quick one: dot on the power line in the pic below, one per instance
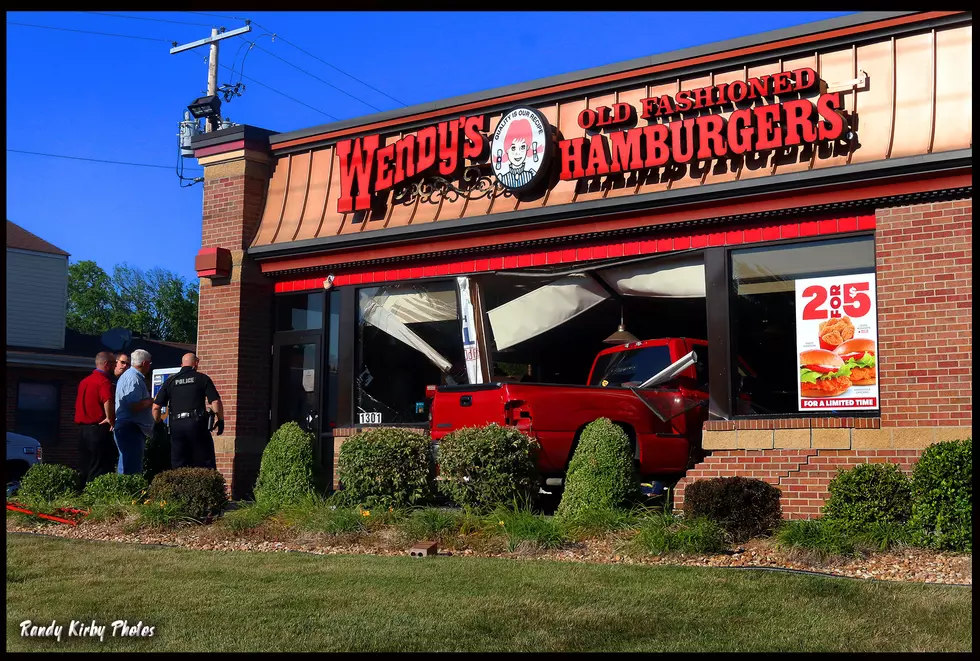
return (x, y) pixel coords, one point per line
(335, 68)
(261, 84)
(201, 13)
(146, 18)
(168, 41)
(94, 160)
(265, 50)
(331, 66)
(104, 34)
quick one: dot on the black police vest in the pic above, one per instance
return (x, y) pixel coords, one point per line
(187, 392)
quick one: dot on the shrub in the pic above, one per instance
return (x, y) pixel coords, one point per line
(825, 538)
(942, 489)
(156, 455)
(43, 483)
(113, 487)
(744, 507)
(484, 467)
(661, 534)
(286, 471)
(200, 492)
(601, 474)
(386, 467)
(868, 494)
(523, 528)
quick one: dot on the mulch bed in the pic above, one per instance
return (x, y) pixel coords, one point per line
(910, 565)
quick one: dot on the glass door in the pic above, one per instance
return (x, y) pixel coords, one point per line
(296, 364)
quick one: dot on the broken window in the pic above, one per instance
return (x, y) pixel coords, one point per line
(548, 327)
(408, 337)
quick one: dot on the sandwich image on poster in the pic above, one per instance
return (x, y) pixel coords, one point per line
(837, 340)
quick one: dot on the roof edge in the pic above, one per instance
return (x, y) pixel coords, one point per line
(805, 29)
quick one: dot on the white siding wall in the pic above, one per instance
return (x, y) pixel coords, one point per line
(37, 291)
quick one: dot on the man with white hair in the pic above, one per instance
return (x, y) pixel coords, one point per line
(134, 421)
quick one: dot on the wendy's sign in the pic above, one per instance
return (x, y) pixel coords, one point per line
(522, 145)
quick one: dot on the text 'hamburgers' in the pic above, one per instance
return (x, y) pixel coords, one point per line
(859, 356)
(823, 374)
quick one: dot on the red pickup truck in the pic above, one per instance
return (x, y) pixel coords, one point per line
(662, 416)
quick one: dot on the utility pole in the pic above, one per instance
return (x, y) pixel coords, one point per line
(217, 34)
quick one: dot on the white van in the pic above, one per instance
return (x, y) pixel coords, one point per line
(22, 453)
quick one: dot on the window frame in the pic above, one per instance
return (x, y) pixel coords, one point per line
(351, 373)
(55, 414)
(720, 300)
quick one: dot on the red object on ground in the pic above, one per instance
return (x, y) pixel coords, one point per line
(68, 511)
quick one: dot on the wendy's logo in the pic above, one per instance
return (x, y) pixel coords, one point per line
(521, 149)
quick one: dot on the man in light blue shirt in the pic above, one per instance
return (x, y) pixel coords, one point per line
(134, 419)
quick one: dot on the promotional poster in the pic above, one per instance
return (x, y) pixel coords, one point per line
(837, 343)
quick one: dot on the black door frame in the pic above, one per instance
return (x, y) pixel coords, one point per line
(316, 337)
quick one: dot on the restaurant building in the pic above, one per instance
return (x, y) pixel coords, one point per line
(777, 195)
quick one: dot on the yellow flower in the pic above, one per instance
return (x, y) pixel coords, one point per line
(501, 523)
(365, 513)
(146, 502)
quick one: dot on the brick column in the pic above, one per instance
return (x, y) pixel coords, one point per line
(235, 309)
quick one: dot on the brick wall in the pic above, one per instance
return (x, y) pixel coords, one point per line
(924, 264)
(63, 450)
(801, 475)
(925, 300)
(235, 318)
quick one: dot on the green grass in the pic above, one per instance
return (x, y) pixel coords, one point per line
(663, 534)
(208, 601)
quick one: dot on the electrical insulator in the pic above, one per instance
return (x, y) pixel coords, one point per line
(188, 129)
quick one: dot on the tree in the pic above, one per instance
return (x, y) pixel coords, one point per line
(156, 304)
(91, 298)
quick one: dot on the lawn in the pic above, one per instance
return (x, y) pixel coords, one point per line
(228, 601)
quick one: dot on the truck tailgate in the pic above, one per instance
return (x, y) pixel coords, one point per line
(454, 407)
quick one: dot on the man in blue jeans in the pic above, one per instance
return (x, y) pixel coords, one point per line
(134, 418)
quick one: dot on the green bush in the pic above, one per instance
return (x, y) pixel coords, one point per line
(286, 471)
(200, 492)
(386, 467)
(826, 538)
(113, 487)
(942, 489)
(484, 467)
(43, 483)
(661, 534)
(601, 474)
(744, 507)
(868, 494)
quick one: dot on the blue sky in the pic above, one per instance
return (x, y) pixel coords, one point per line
(120, 99)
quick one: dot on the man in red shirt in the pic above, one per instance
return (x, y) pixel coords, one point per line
(96, 416)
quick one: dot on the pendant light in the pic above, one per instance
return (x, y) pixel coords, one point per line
(621, 336)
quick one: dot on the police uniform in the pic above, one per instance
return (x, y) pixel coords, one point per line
(190, 439)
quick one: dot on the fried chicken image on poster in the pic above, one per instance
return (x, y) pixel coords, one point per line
(837, 339)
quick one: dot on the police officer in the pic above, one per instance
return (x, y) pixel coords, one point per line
(191, 400)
